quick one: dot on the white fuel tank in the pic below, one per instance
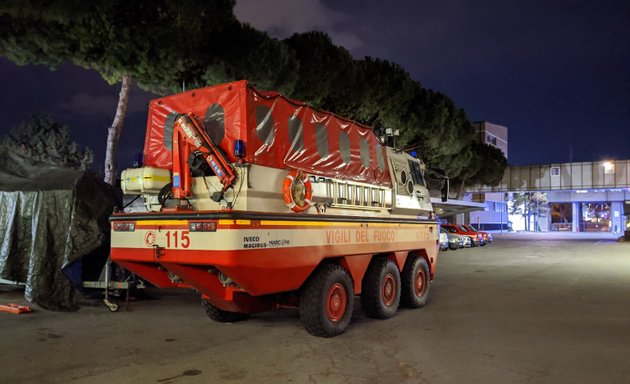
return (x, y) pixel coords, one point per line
(144, 180)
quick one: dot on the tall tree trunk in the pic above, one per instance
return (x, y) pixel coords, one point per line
(529, 217)
(113, 134)
(526, 215)
(461, 189)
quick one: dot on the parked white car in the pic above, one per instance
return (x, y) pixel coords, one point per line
(455, 241)
(444, 245)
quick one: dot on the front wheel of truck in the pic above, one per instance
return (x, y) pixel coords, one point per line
(222, 316)
(326, 301)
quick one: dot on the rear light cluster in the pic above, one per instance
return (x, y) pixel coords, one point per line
(124, 227)
(205, 226)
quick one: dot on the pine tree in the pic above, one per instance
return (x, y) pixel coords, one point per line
(43, 139)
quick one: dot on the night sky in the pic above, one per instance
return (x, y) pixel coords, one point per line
(556, 73)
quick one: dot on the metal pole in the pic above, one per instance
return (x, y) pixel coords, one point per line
(505, 209)
(537, 213)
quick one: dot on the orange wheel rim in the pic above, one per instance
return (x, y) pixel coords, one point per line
(336, 302)
(420, 282)
(388, 292)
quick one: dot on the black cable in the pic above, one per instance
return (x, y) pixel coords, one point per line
(165, 193)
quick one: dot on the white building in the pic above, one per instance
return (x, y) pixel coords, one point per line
(494, 216)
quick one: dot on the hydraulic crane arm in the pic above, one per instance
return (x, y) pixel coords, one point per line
(191, 144)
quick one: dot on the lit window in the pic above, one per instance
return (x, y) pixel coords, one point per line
(609, 167)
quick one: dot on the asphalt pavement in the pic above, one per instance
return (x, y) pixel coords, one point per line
(529, 308)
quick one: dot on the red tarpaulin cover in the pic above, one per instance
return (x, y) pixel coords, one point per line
(277, 132)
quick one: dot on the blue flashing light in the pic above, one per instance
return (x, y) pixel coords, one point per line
(239, 148)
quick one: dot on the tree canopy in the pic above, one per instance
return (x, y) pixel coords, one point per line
(383, 94)
(161, 43)
(165, 44)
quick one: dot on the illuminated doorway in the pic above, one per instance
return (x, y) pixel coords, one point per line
(561, 216)
(595, 217)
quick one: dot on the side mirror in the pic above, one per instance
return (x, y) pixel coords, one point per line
(444, 190)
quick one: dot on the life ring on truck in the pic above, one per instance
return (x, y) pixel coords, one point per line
(297, 191)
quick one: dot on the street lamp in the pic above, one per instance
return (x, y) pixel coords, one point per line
(609, 167)
(506, 198)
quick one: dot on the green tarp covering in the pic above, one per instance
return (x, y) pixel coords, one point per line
(54, 229)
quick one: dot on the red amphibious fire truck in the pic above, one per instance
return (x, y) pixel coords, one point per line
(258, 202)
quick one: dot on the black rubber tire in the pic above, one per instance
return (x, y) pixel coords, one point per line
(372, 289)
(455, 248)
(314, 301)
(222, 316)
(410, 298)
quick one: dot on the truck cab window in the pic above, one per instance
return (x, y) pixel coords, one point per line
(418, 179)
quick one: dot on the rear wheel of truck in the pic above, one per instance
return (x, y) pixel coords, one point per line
(222, 316)
(326, 301)
(415, 282)
(380, 295)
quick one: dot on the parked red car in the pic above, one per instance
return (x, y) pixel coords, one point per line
(487, 238)
(476, 238)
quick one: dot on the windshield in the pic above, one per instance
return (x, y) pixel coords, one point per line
(450, 229)
(416, 172)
